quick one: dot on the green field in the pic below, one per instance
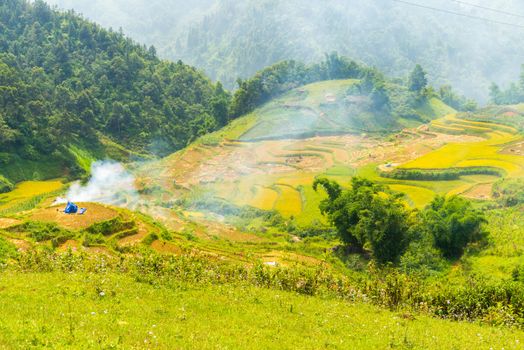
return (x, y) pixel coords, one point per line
(94, 311)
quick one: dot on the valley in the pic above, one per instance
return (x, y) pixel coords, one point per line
(325, 204)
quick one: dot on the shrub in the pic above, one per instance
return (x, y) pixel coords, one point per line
(453, 223)
(7, 250)
(366, 215)
(439, 174)
(509, 192)
(41, 231)
(109, 227)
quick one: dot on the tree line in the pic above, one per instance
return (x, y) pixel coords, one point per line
(369, 217)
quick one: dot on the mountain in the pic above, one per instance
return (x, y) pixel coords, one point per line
(231, 39)
(72, 91)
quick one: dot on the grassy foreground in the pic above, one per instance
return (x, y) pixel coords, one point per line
(106, 311)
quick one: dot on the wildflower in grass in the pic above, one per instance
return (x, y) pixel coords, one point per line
(102, 293)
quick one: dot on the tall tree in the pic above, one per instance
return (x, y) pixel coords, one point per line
(366, 215)
(418, 80)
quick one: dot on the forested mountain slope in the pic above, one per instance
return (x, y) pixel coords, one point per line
(237, 38)
(71, 90)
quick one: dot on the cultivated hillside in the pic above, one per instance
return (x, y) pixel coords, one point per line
(269, 158)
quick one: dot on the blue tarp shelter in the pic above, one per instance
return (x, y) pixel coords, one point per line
(71, 208)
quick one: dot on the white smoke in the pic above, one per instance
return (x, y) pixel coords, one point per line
(110, 183)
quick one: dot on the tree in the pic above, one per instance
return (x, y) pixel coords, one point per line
(495, 94)
(418, 80)
(521, 82)
(64, 79)
(366, 215)
(453, 223)
(380, 98)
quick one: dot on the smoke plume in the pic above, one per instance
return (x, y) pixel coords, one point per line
(110, 183)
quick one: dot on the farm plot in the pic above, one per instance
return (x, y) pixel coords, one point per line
(289, 201)
(95, 213)
(417, 196)
(27, 195)
(482, 153)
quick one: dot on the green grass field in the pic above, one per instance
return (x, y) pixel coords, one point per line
(107, 311)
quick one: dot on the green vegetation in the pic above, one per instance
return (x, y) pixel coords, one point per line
(282, 77)
(329, 194)
(512, 95)
(367, 216)
(87, 311)
(454, 224)
(364, 216)
(7, 250)
(65, 81)
(440, 174)
(509, 192)
(418, 81)
(371, 102)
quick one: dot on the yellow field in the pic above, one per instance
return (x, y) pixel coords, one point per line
(289, 202)
(468, 154)
(419, 196)
(27, 190)
(264, 198)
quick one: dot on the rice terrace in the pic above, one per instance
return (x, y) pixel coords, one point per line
(292, 187)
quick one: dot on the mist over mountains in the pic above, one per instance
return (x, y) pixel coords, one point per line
(234, 39)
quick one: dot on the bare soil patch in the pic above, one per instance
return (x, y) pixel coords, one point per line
(20, 244)
(6, 222)
(95, 213)
(514, 149)
(71, 244)
(166, 247)
(480, 191)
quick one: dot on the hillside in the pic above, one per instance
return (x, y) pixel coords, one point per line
(73, 92)
(70, 311)
(232, 223)
(269, 158)
(318, 205)
(232, 39)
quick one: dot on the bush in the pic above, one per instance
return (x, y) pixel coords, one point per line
(366, 216)
(453, 223)
(109, 227)
(5, 185)
(509, 192)
(91, 239)
(7, 250)
(439, 174)
(41, 231)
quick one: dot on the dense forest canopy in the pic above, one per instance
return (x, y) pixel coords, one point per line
(232, 39)
(65, 81)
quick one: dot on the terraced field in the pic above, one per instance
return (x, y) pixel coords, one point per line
(277, 174)
(27, 195)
